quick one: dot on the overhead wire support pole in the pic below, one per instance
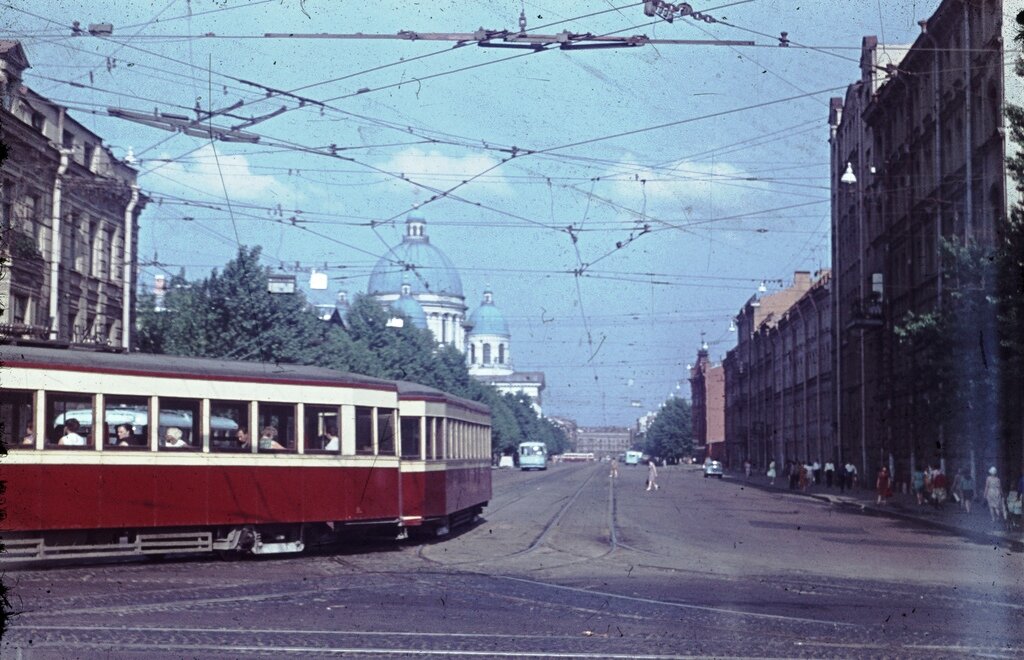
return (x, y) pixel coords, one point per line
(506, 39)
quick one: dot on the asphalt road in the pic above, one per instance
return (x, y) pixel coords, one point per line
(566, 563)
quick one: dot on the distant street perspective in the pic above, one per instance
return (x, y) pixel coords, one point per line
(511, 328)
(568, 562)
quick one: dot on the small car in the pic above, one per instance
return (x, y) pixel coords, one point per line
(713, 469)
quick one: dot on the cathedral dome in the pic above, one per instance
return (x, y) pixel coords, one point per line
(408, 306)
(427, 268)
(487, 319)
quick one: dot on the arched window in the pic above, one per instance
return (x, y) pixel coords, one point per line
(501, 353)
(472, 353)
(487, 353)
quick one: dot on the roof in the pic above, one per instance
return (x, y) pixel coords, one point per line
(416, 262)
(487, 319)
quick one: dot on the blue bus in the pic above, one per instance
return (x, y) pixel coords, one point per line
(633, 457)
(533, 456)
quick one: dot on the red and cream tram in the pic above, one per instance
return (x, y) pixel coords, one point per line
(118, 454)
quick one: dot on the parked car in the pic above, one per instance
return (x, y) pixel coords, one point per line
(713, 469)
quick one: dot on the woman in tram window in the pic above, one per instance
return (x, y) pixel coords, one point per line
(268, 439)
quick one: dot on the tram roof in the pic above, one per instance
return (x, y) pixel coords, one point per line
(173, 365)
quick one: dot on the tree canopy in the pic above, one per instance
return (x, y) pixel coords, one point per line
(670, 435)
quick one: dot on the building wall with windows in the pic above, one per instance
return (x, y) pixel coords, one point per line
(604, 441)
(923, 134)
(69, 216)
(778, 377)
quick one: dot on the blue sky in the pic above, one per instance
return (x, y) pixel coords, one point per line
(608, 255)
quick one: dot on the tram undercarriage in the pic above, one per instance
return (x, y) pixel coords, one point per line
(226, 541)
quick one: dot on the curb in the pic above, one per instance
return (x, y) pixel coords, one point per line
(996, 538)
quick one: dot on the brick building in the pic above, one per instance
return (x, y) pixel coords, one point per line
(69, 215)
(707, 396)
(778, 391)
(919, 148)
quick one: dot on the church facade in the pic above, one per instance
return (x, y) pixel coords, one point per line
(417, 279)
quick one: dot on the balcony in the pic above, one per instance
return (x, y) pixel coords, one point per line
(866, 313)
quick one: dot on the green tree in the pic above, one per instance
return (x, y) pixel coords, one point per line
(670, 435)
(1011, 294)
(955, 351)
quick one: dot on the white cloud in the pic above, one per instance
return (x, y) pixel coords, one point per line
(691, 183)
(202, 171)
(437, 170)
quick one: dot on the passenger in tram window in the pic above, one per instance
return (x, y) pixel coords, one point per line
(173, 438)
(29, 438)
(244, 442)
(71, 437)
(125, 435)
(268, 439)
(329, 440)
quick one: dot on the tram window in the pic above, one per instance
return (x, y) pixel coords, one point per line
(364, 430)
(276, 427)
(410, 437)
(385, 431)
(70, 420)
(16, 419)
(179, 426)
(321, 429)
(226, 417)
(126, 420)
(441, 453)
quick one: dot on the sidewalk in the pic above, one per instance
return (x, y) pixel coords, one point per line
(976, 525)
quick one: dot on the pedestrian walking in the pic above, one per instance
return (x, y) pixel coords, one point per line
(615, 468)
(851, 475)
(994, 496)
(746, 467)
(939, 489)
(883, 486)
(652, 476)
(917, 485)
(967, 490)
(771, 472)
(830, 471)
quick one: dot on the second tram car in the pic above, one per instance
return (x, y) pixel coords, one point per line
(210, 455)
(533, 456)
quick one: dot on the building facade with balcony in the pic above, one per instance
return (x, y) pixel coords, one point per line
(69, 213)
(778, 378)
(919, 147)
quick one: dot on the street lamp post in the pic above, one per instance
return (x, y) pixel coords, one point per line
(850, 179)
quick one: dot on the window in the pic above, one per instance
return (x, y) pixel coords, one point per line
(472, 353)
(501, 353)
(178, 426)
(69, 420)
(322, 430)
(226, 417)
(126, 420)
(68, 140)
(39, 121)
(276, 427)
(364, 430)
(16, 419)
(440, 438)
(410, 437)
(386, 431)
(487, 353)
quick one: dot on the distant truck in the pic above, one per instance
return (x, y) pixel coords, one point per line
(633, 457)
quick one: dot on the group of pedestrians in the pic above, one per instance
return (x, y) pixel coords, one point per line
(804, 474)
